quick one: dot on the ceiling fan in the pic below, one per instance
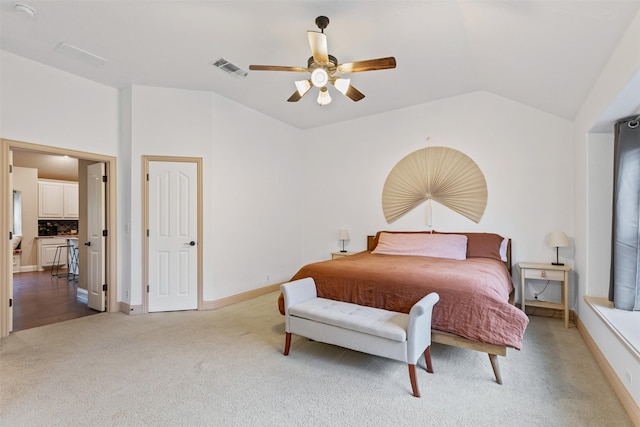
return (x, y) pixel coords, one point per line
(323, 68)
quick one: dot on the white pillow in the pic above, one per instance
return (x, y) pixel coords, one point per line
(503, 249)
(15, 241)
(451, 246)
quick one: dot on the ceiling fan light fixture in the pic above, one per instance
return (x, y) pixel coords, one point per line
(323, 97)
(303, 86)
(342, 85)
(319, 77)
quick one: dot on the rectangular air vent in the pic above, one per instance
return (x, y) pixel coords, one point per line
(229, 68)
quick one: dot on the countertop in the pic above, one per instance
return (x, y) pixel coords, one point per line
(59, 236)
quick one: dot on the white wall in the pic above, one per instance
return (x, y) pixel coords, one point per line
(525, 155)
(618, 77)
(252, 186)
(124, 198)
(599, 211)
(43, 105)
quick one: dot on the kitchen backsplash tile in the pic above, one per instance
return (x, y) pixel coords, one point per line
(52, 228)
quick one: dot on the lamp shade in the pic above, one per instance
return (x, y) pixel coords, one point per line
(557, 239)
(303, 86)
(342, 85)
(323, 96)
(343, 234)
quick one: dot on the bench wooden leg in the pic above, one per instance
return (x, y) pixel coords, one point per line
(427, 359)
(414, 380)
(496, 367)
(287, 343)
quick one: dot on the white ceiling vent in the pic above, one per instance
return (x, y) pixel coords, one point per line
(229, 68)
(81, 55)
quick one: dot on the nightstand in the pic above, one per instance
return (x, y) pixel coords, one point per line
(336, 255)
(557, 273)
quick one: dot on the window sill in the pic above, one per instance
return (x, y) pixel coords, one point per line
(624, 324)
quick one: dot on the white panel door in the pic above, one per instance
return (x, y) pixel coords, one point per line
(173, 228)
(96, 241)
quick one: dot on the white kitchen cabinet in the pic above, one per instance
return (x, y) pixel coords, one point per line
(57, 200)
(47, 248)
(70, 205)
(50, 199)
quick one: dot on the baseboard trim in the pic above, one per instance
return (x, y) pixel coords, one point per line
(27, 268)
(234, 299)
(129, 309)
(619, 389)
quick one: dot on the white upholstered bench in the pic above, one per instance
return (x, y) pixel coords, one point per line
(398, 336)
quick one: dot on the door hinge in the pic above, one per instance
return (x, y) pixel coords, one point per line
(105, 233)
(104, 178)
(10, 168)
(10, 302)
(147, 177)
(10, 235)
(147, 288)
(147, 232)
(104, 287)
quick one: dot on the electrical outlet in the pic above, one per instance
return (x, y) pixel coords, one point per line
(628, 377)
(267, 278)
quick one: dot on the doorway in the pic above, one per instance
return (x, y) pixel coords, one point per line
(6, 290)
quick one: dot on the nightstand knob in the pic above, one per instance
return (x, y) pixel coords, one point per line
(543, 273)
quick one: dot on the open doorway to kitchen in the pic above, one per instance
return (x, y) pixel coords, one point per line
(52, 281)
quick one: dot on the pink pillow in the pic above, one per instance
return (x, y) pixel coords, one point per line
(451, 246)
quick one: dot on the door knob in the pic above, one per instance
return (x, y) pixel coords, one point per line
(88, 244)
(191, 243)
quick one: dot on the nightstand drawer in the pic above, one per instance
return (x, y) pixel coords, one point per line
(543, 274)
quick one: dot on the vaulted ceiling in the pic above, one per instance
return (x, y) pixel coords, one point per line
(545, 54)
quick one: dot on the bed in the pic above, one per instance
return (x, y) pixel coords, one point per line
(470, 271)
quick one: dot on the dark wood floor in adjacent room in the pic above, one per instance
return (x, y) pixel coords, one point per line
(41, 299)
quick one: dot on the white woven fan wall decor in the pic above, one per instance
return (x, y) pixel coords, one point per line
(442, 174)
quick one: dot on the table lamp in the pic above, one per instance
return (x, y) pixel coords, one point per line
(343, 234)
(557, 239)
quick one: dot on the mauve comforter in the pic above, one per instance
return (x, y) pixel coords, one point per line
(474, 293)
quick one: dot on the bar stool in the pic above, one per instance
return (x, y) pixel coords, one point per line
(57, 262)
(73, 263)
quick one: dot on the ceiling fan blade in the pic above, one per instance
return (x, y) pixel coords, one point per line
(277, 68)
(318, 43)
(368, 65)
(295, 97)
(354, 94)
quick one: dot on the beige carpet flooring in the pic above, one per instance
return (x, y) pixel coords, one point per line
(225, 367)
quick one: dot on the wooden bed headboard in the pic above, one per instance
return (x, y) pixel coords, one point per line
(371, 245)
